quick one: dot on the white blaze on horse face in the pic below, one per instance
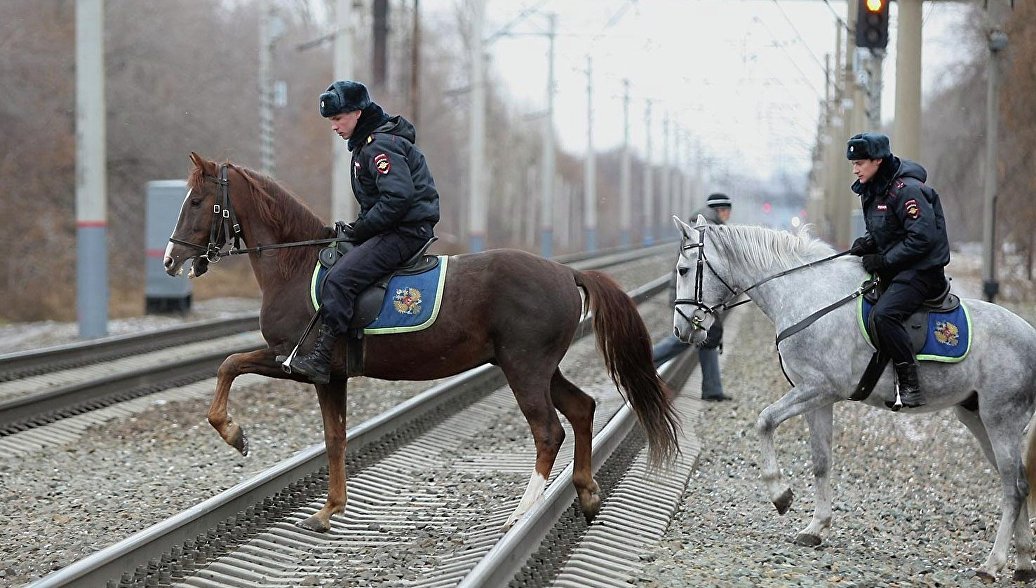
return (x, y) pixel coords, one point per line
(168, 260)
(533, 494)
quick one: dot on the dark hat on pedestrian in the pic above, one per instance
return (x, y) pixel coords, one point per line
(868, 146)
(343, 96)
(718, 200)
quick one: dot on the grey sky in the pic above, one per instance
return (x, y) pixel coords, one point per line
(743, 76)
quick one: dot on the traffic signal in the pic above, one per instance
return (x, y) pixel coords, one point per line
(872, 24)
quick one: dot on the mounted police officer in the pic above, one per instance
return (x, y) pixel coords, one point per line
(399, 207)
(905, 245)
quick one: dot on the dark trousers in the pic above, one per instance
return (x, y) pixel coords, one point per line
(670, 347)
(907, 292)
(359, 268)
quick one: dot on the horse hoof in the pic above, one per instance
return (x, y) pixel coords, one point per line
(314, 524)
(590, 503)
(240, 442)
(1024, 575)
(807, 540)
(508, 524)
(985, 576)
(783, 502)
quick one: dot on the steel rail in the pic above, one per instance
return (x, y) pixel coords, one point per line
(38, 361)
(150, 545)
(506, 559)
(26, 412)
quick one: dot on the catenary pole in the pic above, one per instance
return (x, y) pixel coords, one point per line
(342, 201)
(91, 173)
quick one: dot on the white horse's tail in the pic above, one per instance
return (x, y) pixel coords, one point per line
(1029, 459)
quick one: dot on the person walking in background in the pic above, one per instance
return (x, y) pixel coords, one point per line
(717, 212)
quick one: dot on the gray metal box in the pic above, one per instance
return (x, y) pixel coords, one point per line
(163, 292)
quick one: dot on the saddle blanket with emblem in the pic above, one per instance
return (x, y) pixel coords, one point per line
(411, 301)
(946, 336)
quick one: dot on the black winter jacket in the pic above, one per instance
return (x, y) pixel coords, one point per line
(392, 183)
(904, 217)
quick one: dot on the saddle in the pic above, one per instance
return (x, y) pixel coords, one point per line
(369, 302)
(916, 323)
(917, 327)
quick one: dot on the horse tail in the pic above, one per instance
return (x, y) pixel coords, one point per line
(625, 343)
(1029, 459)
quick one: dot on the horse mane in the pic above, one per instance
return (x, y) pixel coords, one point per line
(762, 248)
(289, 216)
(279, 209)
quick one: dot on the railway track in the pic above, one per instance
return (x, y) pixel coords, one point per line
(223, 540)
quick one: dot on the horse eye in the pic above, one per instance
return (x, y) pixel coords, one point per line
(195, 202)
(683, 271)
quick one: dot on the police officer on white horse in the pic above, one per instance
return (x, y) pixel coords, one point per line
(905, 245)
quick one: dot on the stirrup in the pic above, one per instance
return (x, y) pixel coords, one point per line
(286, 363)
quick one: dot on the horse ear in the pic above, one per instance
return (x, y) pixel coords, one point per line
(683, 227)
(701, 222)
(201, 163)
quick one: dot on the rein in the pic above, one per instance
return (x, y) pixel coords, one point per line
(698, 303)
(224, 225)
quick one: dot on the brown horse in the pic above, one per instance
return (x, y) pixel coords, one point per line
(504, 307)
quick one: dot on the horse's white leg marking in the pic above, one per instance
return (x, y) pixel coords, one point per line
(533, 493)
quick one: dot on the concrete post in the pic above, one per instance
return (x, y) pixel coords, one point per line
(625, 205)
(997, 42)
(907, 130)
(477, 132)
(343, 205)
(590, 166)
(547, 194)
(91, 173)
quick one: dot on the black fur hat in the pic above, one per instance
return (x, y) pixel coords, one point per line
(868, 146)
(718, 200)
(343, 96)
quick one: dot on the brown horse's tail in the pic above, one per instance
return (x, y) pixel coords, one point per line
(626, 345)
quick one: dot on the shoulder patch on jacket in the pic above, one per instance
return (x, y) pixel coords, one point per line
(382, 163)
(912, 210)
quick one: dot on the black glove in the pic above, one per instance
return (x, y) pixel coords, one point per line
(872, 262)
(347, 231)
(714, 338)
(861, 247)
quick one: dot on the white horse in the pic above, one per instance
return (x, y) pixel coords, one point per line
(991, 391)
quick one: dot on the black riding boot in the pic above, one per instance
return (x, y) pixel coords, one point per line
(909, 388)
(317, 363)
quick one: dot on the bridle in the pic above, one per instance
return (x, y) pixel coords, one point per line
(698, 303)
(224, 223)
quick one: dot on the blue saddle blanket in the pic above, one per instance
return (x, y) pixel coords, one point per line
(947, 335)
(411, 301)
